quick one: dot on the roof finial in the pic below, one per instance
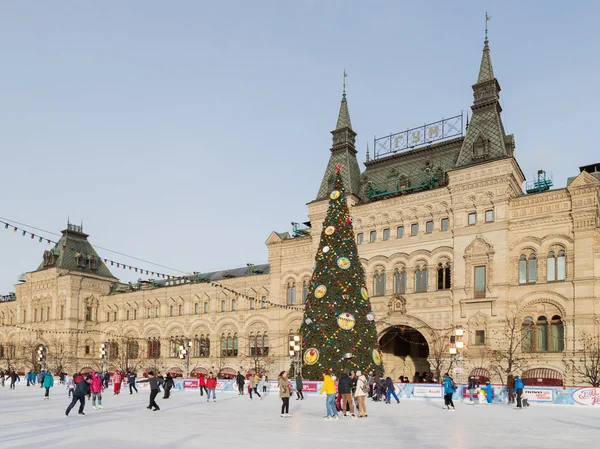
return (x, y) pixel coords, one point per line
(368, 155)
(487, 19)
(345, 76)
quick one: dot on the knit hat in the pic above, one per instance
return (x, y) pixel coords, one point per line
(151, 373)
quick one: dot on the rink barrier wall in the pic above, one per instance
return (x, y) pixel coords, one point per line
(585, 396)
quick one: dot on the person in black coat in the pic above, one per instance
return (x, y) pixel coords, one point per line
(168, 385)
(240, 380)
(154, 389)
(81, 391)
(345, 389)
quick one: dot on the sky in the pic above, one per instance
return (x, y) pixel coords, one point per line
(185, 132)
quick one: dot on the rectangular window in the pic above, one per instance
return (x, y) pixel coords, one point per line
(148, 313)
(34, 315)
(480, 282)
(429, 227)
(180, 309)
(115, 316)
(359, 238)
(222, 306)
(196, 308)
(489, 216)
(263, 303)
(233, 305)
(414, 229)
(107, 316)
(62, 312)
(157, 312)
(444, 224)
(48, 314)
(135, 314)
(127, 315)
(88, 314)
(400, 232)
(87, 350)
(205, 307)
(386, 234)
(252, 304)
(479, 338)
(472, 218)
(373, 236)
(171, 311)
(24, 315)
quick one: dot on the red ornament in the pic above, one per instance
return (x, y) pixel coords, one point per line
(349, 220)
(338, 168)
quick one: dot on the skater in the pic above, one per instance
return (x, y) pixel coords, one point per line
(259, 384)
(96, 388)
(240, 383)
(329, 389)
(117, 379)
(345, 389)
(106, 378)
(168, 385)
(70, 385)
(211, 386)
(265, 382)
(202, 384)
(154, 390)
(285, 391)
(519, 389)
(473, 387)
(449, 389)
(299, 386)
(131, 382)
(252, 385)
(29, 378)
(391, 390)
(81, 391)
(510, 386)
(489, 392)
(362, 388)
(48, 383)
(14, 378)
(161, 380)
(525, 399)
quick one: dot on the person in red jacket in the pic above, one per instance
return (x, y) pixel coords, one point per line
(211, 386)
(96, 389)
(117, 379)
(202, 382)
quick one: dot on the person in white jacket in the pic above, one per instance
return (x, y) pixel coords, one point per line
(362, 389)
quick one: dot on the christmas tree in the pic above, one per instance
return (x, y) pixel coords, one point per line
(338, 330)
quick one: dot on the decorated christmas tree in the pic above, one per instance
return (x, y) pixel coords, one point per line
(338, 330)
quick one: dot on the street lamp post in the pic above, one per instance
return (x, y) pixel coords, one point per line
(295, 354)
(104, 355)
(42, 354)
(456, 349)
(184, 353)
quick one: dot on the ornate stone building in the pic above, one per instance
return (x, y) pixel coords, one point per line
(449, 240)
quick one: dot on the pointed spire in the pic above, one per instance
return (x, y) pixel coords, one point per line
(368, 156)
(486, 71)
(343, 120)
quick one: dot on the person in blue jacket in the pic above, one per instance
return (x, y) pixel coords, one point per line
(449, 389)
(489, 392)
(391, 390)
(48, 383)
(519, 389)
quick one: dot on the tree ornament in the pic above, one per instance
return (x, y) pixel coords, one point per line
(326, 249)
(370, 316)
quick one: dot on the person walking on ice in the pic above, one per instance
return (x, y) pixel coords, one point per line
(211, 386)
(154, 390)
(449, 389)
(285, 391)
(391, 390)
(131, 382)
(81, 391)
(48, 383)
(96, 388)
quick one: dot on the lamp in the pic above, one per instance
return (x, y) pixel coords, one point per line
(291, 353)
(459, 344)
(296, 338)
(459, 332)
(452, 350)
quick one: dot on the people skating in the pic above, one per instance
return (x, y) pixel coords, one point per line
(285, 391)
(211, 387)
(48, 383)
(472, 387)
(345, 390)
(299, 395)
(240, 380)
(131, 382)
(96, 387)
(117, 380)
(154, 390)
(449, 389)
(519, 389)
(362, 389)
(329, 389)
(391, 390)
(81, 391)
(252, 385)
(489, 392)
(510, 387)
(202, 384)
(168, 385)
(14, 378)
(70, 385)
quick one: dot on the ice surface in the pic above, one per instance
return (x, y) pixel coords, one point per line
(187, 421)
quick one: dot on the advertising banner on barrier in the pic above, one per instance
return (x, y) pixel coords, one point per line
(427, 391)
(586, 396)
(191, 383)
(539, 394)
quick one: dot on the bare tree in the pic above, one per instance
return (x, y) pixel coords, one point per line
(8, 354)
(128, 357)
(439, 354)
(588, 366)
(29, 354)
(509, 357)
(60, 355)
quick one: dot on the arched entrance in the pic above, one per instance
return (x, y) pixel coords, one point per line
(542, 377)
(481, 375)
(405, 353)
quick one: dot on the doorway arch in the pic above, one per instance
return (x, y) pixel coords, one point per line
(405, 351)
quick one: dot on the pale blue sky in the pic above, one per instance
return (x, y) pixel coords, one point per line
(184, 132)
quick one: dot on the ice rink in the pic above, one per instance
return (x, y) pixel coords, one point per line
(187, 421)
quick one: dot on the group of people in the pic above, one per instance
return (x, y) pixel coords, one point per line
(256, 383)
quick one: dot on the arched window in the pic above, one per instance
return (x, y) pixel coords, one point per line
(557, 335)
(252, 340)
(202, 346)
(223, 345)
(421, 279)
(291, 293)
(197, 343)
(153, 348)
(265, 344)
(223, 306)
(400, 281)
(233, 305)
(379, 283)
(304, 290)
(259, 343)
(133, 348)
(235, 345)
(114, 349)
(556, 266)
(527, 335)
(443, 276)
(543, 336)
(527, 269)
(229, 345)
(172, 347)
